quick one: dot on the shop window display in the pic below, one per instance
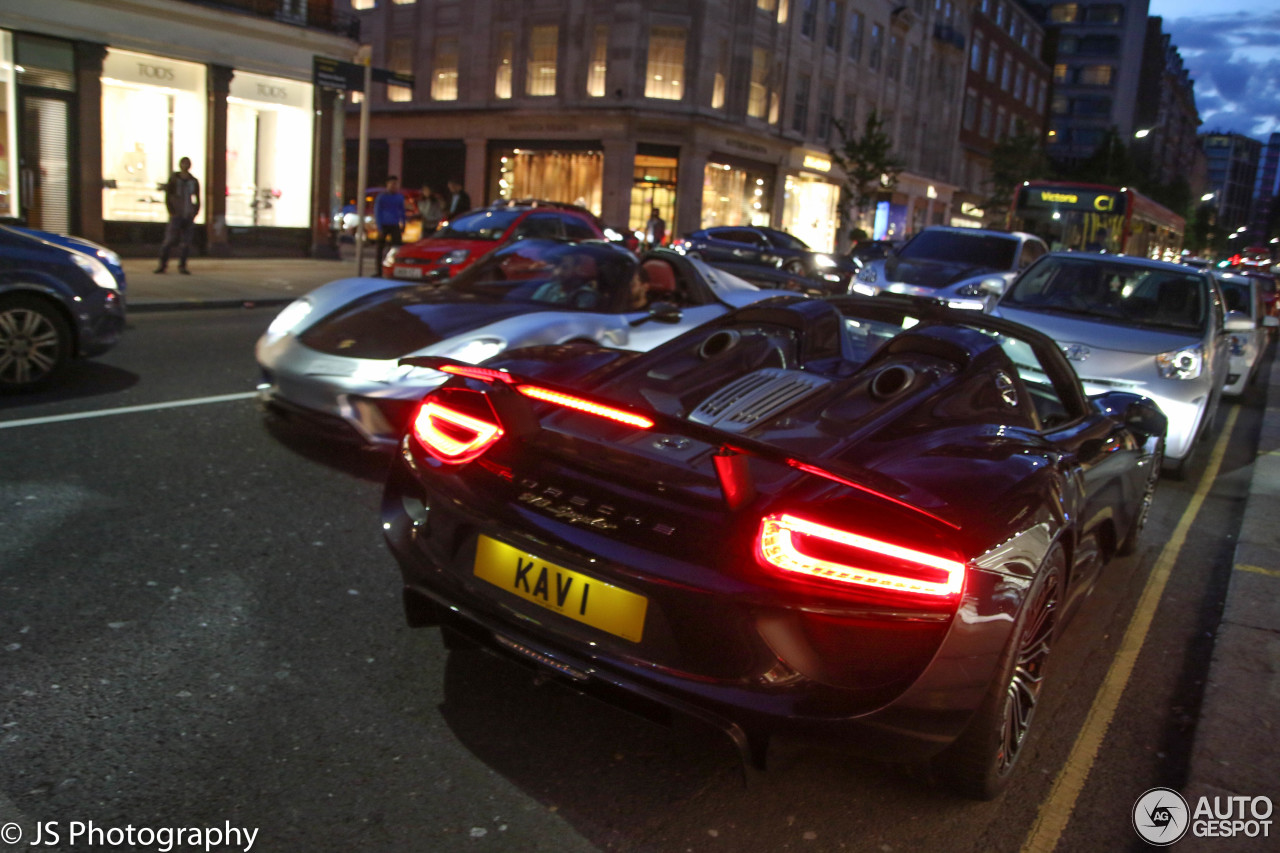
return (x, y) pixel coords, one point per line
(153, 114)
(735, 196)
(269, 130)
(574, 177)
(810, 211)
(8, 130)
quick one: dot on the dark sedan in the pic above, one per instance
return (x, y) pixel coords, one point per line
(768, 247)
(60, 298)
(864, 518)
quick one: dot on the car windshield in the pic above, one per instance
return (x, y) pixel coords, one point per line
(1114, 292)
(974, 250)
(1237, 293)
(480, 225)
(572, 276)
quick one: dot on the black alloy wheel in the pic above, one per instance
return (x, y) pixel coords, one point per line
(35, 342)
(981, 761)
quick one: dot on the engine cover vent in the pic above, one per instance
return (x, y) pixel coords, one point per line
(755, 397)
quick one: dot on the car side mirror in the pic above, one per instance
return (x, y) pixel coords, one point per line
(1134, 411)
(991, 286)
(1238, 321)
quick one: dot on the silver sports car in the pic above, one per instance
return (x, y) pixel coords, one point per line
(332, 358)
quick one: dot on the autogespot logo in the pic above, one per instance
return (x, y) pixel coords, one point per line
(1161, 816)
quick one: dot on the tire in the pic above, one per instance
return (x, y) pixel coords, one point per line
(981, 762)
(1130, 542)
(35, 342)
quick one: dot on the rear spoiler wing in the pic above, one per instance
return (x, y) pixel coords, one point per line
(732, 450)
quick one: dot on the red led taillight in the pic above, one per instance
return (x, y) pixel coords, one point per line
(798, 546)
(452, 435)
(587, 406)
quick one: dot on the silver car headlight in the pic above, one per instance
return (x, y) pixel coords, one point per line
(862, 289)
(288, 319)
(97, 271)
(868, 274)
(1181, 364)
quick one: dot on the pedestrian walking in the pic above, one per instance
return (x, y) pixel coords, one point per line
(182, 199)
(459, 201)
(388, 215)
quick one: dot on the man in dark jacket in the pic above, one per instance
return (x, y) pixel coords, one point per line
(388, 215)
(182, 198)
(459, 201)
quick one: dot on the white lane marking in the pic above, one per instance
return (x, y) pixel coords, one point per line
(127, 410)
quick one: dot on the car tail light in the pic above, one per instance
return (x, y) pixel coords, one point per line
(587, 406)
(455, 433)
(816, 551)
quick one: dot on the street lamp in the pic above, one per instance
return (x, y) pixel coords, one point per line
(1208, 196)
(1142, 134)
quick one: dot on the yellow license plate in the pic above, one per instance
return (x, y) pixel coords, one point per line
(575, 595)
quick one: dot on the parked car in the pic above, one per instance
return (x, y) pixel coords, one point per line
(749, 244)
(1243, 297)
(332, 358)
(769, 522)
(872, 250)
(60, 298)
(1127, 323)
(772, 277)
(969, 266)
(462, 241)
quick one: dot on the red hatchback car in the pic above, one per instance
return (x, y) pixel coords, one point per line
(462, 241)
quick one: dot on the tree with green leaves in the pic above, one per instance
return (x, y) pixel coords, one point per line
(1016, 158)
(867, 163)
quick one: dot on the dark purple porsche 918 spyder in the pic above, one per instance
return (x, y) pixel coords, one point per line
(861, 518)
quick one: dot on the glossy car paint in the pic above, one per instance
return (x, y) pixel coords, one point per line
(768, 247)
(924, 267)
(40, 264)
(338, 367)
(1121, 355)
(893, 442)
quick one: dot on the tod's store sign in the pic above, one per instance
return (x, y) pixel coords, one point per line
(270, 90)
(142, 69)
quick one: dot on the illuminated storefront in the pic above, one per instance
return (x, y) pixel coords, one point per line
(563, 171)
(8, 129)
(653, 185)
(736, 194)
(269, 144)
(811, 203)
(153, 114)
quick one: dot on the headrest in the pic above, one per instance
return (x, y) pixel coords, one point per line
(662, 278)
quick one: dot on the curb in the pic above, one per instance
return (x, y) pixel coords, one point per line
(204, 304)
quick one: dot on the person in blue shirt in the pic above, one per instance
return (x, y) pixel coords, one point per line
(388, 215)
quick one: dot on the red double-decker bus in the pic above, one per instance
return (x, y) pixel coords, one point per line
(1094, 217)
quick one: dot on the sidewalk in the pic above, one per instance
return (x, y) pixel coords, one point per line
(1237, 742)
(232, 282)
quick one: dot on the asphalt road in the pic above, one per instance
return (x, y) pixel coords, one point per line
(200, 627)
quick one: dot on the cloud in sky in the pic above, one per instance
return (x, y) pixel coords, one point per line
(1234, 59)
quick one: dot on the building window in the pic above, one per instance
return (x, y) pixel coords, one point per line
(975, 53)
(767, 5)
(1006, 73)
(999, 14)
(362, 5)
(775, 99)
(400, 55)
(664, 77)
(809, 18)
(1064, 13)
(444, 71)
(1096, 75)
(758, 94)
(721, 82)
(855, 36)
(877, 47)
(269, 134)
(993, 63)
(599, 63)
(895, 56)
(970, 109)
(1060, 73)
(850, 119)
(502, 75)
(399, 94)
(543, 46)
(784, 7)
(826, 103)
(1105, 14)
(1061, 105)
(1031, 90)
(800, 112)
(1000, 123)
(834, 12)
(1019, 80)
